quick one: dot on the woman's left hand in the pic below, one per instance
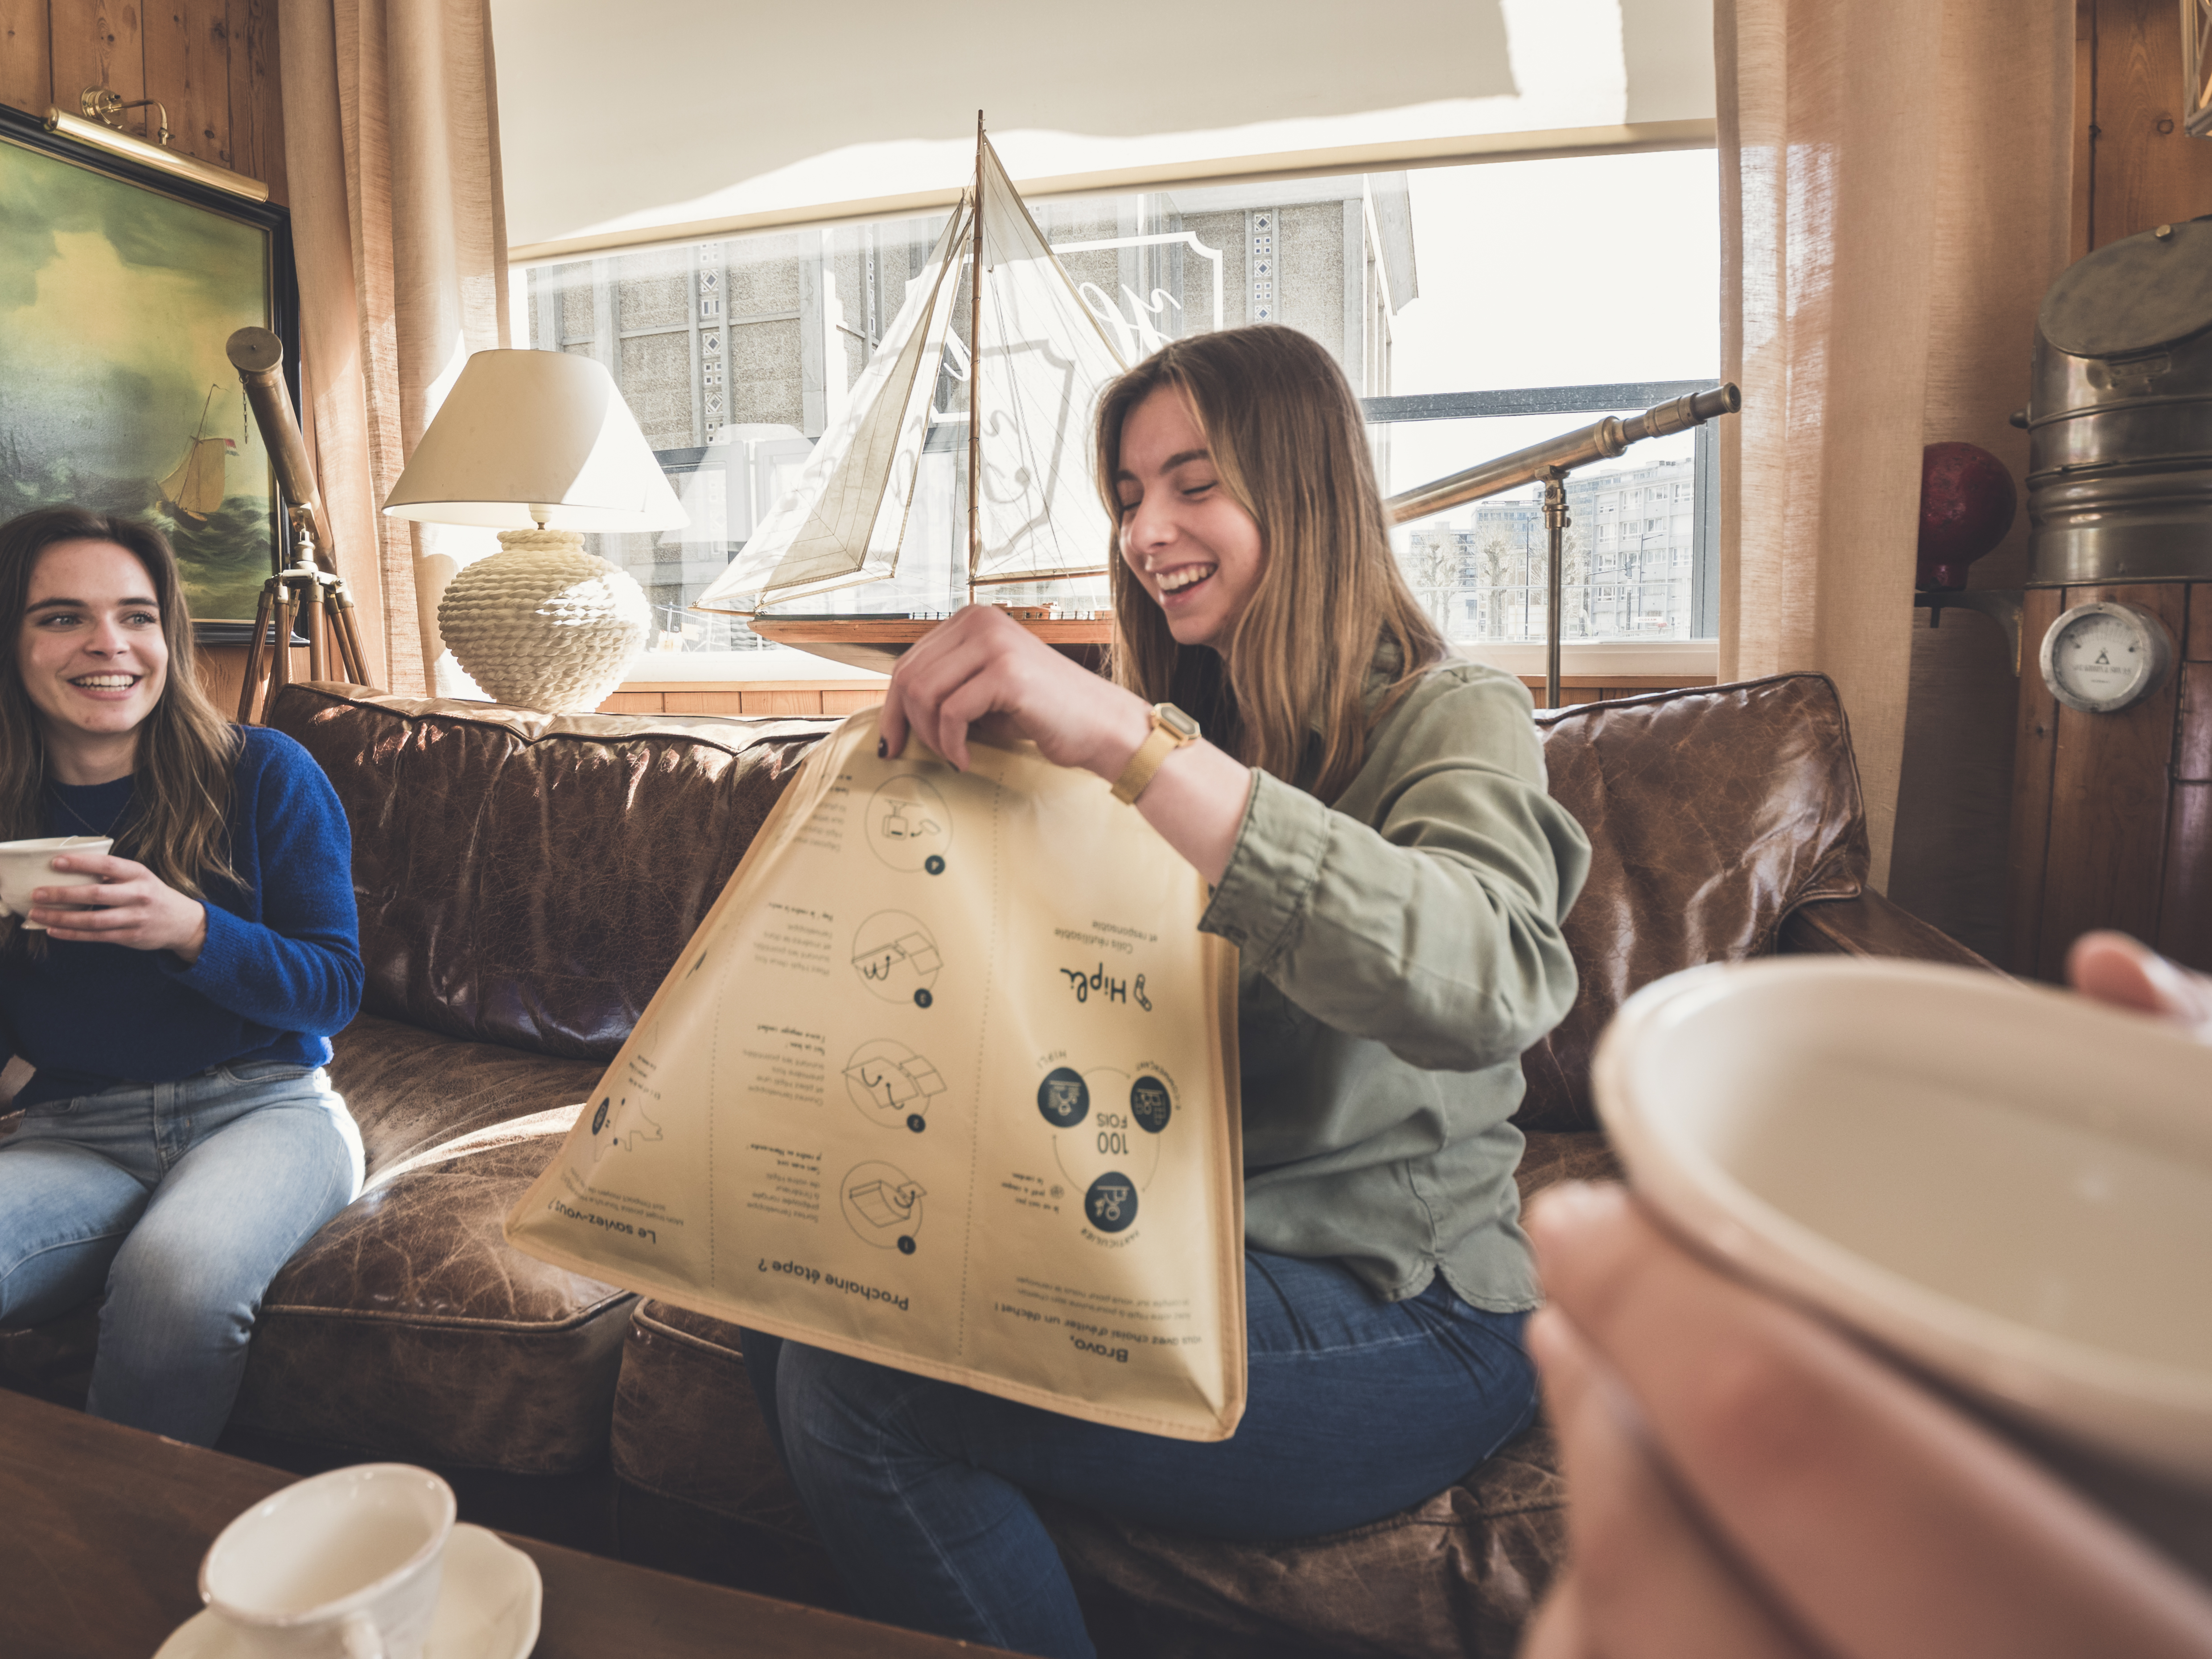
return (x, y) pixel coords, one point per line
(983, 666)
(131, 906)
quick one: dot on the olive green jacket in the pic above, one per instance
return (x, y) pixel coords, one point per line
(1399, 949)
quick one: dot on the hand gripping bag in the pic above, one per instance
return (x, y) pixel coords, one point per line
(946, 1080)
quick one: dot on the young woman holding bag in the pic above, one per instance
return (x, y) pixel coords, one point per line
(1373, 819)
(179, 1139)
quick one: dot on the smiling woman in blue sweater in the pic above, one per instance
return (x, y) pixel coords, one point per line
(179, 1139)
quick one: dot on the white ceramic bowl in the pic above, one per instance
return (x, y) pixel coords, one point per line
(2007, 1185)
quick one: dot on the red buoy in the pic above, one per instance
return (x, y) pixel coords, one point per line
(1967, 504)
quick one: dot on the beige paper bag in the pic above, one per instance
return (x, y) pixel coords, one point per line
(947, 1080)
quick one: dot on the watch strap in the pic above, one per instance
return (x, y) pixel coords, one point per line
(1163, 740)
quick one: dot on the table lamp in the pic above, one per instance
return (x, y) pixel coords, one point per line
(540, 446)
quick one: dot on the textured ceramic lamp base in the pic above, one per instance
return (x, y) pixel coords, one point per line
(542, 624)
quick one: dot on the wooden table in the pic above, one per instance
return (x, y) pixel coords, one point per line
(102, 1528)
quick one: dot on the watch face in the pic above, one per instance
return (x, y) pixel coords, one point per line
(2104, 658)
(1183, 725)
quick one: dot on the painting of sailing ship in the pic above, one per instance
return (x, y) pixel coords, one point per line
(115, 300)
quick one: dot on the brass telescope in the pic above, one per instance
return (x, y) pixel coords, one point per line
(1551, 462)
(308, 589)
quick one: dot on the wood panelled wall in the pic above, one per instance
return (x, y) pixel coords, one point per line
(2134, 167)
(211, 62)
(2111, 814)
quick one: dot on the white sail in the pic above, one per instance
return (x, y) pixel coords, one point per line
(1041, 365)
(1036, 371)
(842, 521)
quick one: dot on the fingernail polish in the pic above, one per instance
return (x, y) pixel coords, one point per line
(883, 748)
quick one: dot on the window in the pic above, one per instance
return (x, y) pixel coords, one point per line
(736, 355)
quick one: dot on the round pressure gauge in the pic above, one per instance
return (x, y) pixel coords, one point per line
(2103, 658)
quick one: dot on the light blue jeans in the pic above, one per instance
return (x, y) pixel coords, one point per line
(1356, 1407)
(183, 1200)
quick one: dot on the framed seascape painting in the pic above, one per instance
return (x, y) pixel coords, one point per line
(119, 288)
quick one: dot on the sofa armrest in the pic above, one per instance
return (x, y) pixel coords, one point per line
(1871, 926)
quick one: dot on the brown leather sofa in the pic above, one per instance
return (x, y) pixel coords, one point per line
(525, 882)
(1724, 823)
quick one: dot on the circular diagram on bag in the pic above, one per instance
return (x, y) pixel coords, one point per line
(1107, 1121)
(908, 824)
(883, 1206)
(896, 958)
(892, 1086)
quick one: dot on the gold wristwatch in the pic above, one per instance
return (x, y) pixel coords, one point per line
(1171, 730)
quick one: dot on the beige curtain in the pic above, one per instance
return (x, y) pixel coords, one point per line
(1894, 201)
(392, 154)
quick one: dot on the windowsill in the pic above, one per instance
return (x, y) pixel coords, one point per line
(1601, 660)
(702, 669)
(1598, 658)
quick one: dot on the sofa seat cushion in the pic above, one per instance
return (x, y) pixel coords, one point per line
(407, 1329)
(411, 1092)
(686, 1426)
(1457, 1576)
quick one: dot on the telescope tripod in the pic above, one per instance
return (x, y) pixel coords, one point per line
(303, 592)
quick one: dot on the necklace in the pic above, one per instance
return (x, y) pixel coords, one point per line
(86, 824)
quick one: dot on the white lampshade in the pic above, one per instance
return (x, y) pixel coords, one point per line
(535, 438)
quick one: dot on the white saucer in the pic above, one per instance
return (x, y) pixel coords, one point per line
(488, 1606)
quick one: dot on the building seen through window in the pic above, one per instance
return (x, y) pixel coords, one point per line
(737, 354)
(1480, 569)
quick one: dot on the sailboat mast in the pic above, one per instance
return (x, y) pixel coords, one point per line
(975, 369)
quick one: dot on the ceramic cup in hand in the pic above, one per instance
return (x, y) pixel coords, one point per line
(2006, 1186)
(345, 1566)
(28, 865)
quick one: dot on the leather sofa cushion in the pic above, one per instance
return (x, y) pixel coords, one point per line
(530, 879)
(1712, 814)
(1458, 1574)
(686, 1426)
(407, 1328)
(411, 1093)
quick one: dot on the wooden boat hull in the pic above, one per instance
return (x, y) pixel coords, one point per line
(877, 642)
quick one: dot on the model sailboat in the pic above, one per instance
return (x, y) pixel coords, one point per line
(194, 489)
(1036, 362)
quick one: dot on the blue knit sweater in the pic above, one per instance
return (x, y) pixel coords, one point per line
(280, 972)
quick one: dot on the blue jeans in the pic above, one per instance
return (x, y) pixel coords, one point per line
(1356, 1408)
(183, 1200)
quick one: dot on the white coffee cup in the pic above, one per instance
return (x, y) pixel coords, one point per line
(28, 865)
(342, 1565)
(2007, 1186)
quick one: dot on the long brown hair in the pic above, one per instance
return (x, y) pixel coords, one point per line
(1288, 693)
(177, 822)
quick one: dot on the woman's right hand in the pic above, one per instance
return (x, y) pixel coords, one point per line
(981, 666)
(1745, 1481)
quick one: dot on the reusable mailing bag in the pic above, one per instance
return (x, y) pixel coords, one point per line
(946, 1080)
